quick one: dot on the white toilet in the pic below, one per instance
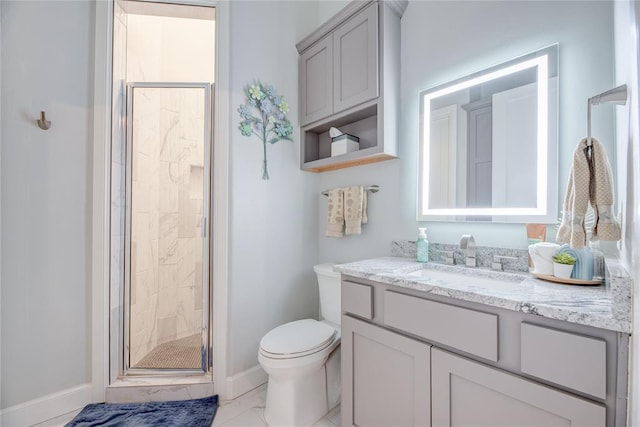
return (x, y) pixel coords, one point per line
(302, 359)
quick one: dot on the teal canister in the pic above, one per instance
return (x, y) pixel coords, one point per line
(586, 265)
(583, 269)
(422, 246)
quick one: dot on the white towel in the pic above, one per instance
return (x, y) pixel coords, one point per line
(346, 211)
(590, 182)
(365, 218)
(355, 203)
(335, 213)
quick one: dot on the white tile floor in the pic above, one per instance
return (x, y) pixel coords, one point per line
(248, 411)
(58, 421)
(244, 411)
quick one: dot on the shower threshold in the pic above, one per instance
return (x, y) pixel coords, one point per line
(155, 388)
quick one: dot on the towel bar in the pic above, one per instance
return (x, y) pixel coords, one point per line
(617, 95)
(372, 188)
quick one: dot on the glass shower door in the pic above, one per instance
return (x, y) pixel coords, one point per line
(167, 246)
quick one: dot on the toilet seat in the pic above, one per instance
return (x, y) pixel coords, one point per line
(297, 339)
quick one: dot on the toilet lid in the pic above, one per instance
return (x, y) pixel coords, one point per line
(301, 336)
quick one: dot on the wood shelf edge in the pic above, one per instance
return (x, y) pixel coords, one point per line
(350, 163)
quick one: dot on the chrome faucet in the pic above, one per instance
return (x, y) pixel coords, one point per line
(468, 244)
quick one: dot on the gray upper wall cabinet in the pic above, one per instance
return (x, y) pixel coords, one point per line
(340, 70)
(316, 81)
(349, 77)
(355, 60)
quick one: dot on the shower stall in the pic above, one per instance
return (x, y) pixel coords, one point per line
(163, 73)
(166, 246)
(160, 290)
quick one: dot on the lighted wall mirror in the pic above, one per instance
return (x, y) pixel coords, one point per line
(488, 144)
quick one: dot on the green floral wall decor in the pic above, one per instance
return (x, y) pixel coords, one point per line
(264, 115)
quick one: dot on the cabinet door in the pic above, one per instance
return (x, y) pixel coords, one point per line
(316, 81)
(355, 64)
(385, 377)
(467, 393)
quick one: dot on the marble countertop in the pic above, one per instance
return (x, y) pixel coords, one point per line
(606, 306)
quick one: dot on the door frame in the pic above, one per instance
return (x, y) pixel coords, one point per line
(101, 347)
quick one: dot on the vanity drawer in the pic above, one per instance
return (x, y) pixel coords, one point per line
(564, 358)
(467, 330)
(357, 299)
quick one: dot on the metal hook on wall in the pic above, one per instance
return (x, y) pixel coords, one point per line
(43, 123)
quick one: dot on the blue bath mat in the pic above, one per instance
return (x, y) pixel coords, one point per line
(192, 413)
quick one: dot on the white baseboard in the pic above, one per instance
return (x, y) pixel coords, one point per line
(46, 407)
(245, 381)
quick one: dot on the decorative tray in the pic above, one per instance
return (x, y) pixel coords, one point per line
(567, 281)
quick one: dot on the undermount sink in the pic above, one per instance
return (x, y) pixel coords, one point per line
(468, 276)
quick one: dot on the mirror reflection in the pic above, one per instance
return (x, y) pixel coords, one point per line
(489, 143)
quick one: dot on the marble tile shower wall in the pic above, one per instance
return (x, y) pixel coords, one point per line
(167, 194)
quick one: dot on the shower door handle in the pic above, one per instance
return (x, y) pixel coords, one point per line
(203, 227)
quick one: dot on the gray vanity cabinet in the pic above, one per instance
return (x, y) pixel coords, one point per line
(467, 393)
(411, 358)
(386, 375)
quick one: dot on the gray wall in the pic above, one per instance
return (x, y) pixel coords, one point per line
(273, 237)
(627, 17)
(0, 206)
(46, 65)
(326, 9)
(276, 226)
(442, 41)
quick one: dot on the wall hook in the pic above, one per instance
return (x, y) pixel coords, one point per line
(43, 123)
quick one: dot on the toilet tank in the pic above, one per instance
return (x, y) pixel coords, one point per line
(329, 287)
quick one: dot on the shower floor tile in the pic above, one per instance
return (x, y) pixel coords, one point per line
(183, 353)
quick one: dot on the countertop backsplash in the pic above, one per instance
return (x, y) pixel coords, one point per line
(484, 254)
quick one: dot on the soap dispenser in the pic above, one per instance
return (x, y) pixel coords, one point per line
(422, 245)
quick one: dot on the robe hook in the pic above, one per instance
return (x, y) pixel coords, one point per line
(43, 123)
